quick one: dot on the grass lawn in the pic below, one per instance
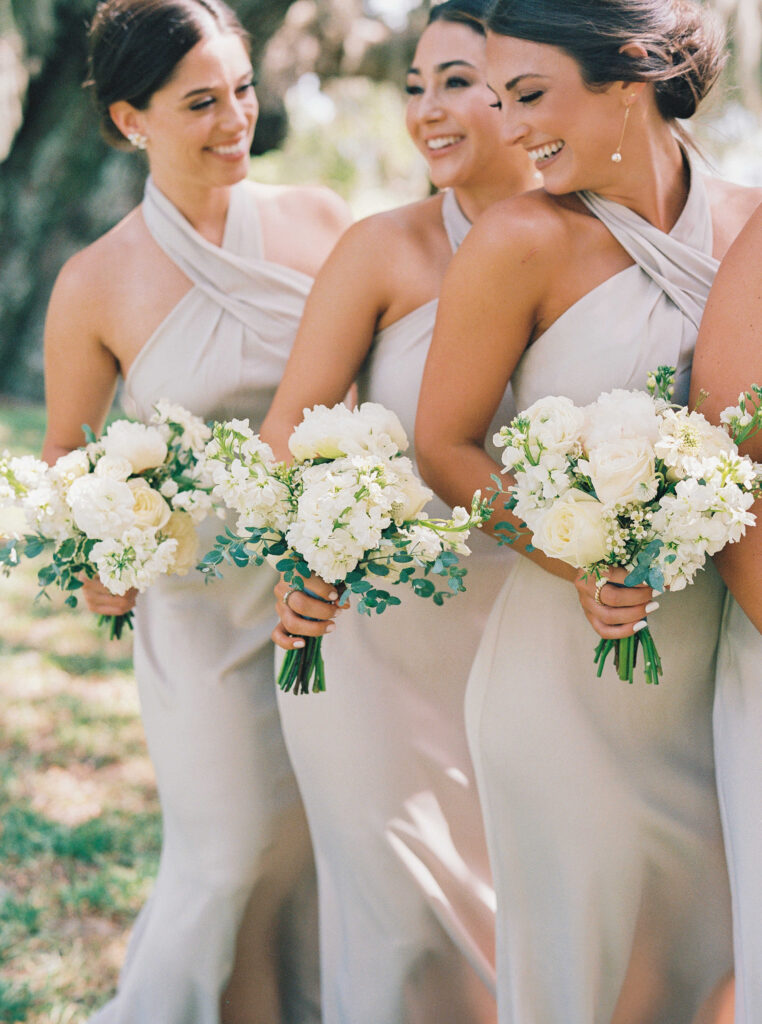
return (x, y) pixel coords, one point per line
(79, 818)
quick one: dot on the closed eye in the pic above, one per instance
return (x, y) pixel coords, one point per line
(530, 97)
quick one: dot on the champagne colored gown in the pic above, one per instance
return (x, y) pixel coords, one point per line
(233, 824)
(406, 901)
(599, 797)
(738, 752)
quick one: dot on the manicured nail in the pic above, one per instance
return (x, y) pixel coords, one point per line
(639, 625)
(333, 596)
(298, 643)
(651, 607)
(657, 593)
(330, 627)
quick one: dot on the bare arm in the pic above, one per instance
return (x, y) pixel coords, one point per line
(728, 360)
(488, 310)
(80, 380)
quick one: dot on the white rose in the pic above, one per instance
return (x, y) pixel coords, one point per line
(573, 529)
(143, 446)
(555, 422)
(150, 508)
(180, 527)
(114, 467)
(101, 507)
(622, 471)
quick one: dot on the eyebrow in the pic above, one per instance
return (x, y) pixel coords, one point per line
(513, 82)
(210, 88)
(444, 67)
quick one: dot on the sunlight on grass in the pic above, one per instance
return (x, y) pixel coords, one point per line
(79, 818)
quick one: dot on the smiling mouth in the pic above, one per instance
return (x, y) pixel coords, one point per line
(545, 152)
(443, 142)
(235, 149)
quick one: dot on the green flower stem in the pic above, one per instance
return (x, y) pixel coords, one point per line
(625, 656)
(302, 667)
(116, 623)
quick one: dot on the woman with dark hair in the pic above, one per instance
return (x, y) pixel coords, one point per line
(728, 360)
(599, 798)
(195, 297)
(406, 902)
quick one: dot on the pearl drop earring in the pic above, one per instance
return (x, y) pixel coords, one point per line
(616, 156)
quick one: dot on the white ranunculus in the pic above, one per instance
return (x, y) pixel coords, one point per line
(622, 471)
(150, 508)
(573, 529)
(411, 496)
(180, 527)
(620, 414)
(101, 507)
(143, 446)
(114, 467)
(555, 423)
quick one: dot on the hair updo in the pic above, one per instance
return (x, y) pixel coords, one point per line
(136, 45)
(685, 44)
(461, 12)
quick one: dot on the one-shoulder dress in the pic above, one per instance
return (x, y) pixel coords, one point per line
(737, 730)
(406, 900)
(600, 805)
(234, 832)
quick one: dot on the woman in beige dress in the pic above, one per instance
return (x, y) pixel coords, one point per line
(406, 901)
(599, 798)
(196, 296)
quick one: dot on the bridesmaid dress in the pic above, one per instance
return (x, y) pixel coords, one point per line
(234, 827)
(406, 901)
(600, 806)
(737, 717)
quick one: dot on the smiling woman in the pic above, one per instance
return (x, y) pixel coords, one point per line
(195, 297)
(600, 804)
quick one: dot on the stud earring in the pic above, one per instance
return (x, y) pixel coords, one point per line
(616, 156)
(140, 141)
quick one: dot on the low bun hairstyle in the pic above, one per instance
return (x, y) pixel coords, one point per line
(136, 45)
(685, 44)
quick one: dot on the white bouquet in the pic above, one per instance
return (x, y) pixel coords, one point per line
(633, 481)
(123, 508)
(349, 509)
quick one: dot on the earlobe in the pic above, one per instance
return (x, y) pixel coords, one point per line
(127, 119)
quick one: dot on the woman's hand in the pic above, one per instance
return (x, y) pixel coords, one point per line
(302, 615)
(613, 609)
(101, 601)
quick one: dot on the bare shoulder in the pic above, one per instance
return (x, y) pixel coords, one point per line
(314, 203)
(732, 205)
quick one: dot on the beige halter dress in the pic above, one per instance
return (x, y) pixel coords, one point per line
(232, 818)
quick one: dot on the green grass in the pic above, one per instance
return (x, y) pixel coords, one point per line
(79, 817)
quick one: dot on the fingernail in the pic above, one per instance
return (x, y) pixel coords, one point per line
(657, 593)
(639, 625)
(651, 607)
(298, 643)
(333, 596)
(330, 627)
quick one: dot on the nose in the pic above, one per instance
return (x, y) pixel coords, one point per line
(238, 112)
(430, 105)
(512, 127)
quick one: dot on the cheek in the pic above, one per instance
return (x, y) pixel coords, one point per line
(410, 119)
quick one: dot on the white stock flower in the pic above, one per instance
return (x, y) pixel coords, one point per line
(195, 433)
(620, 414)
(424, 543)
(622, 470)
(101, 507)
(573, 529)
(150, 509)
(144, 446)
(688, 435)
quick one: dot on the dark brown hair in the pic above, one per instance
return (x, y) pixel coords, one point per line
(136, 45)
(461, 12)
(685, 45)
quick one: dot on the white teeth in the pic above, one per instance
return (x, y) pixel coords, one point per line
(444, 140)
(228, 150)
(543, 152)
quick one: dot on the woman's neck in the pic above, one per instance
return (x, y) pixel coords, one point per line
(474, 199)
(203, 207)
